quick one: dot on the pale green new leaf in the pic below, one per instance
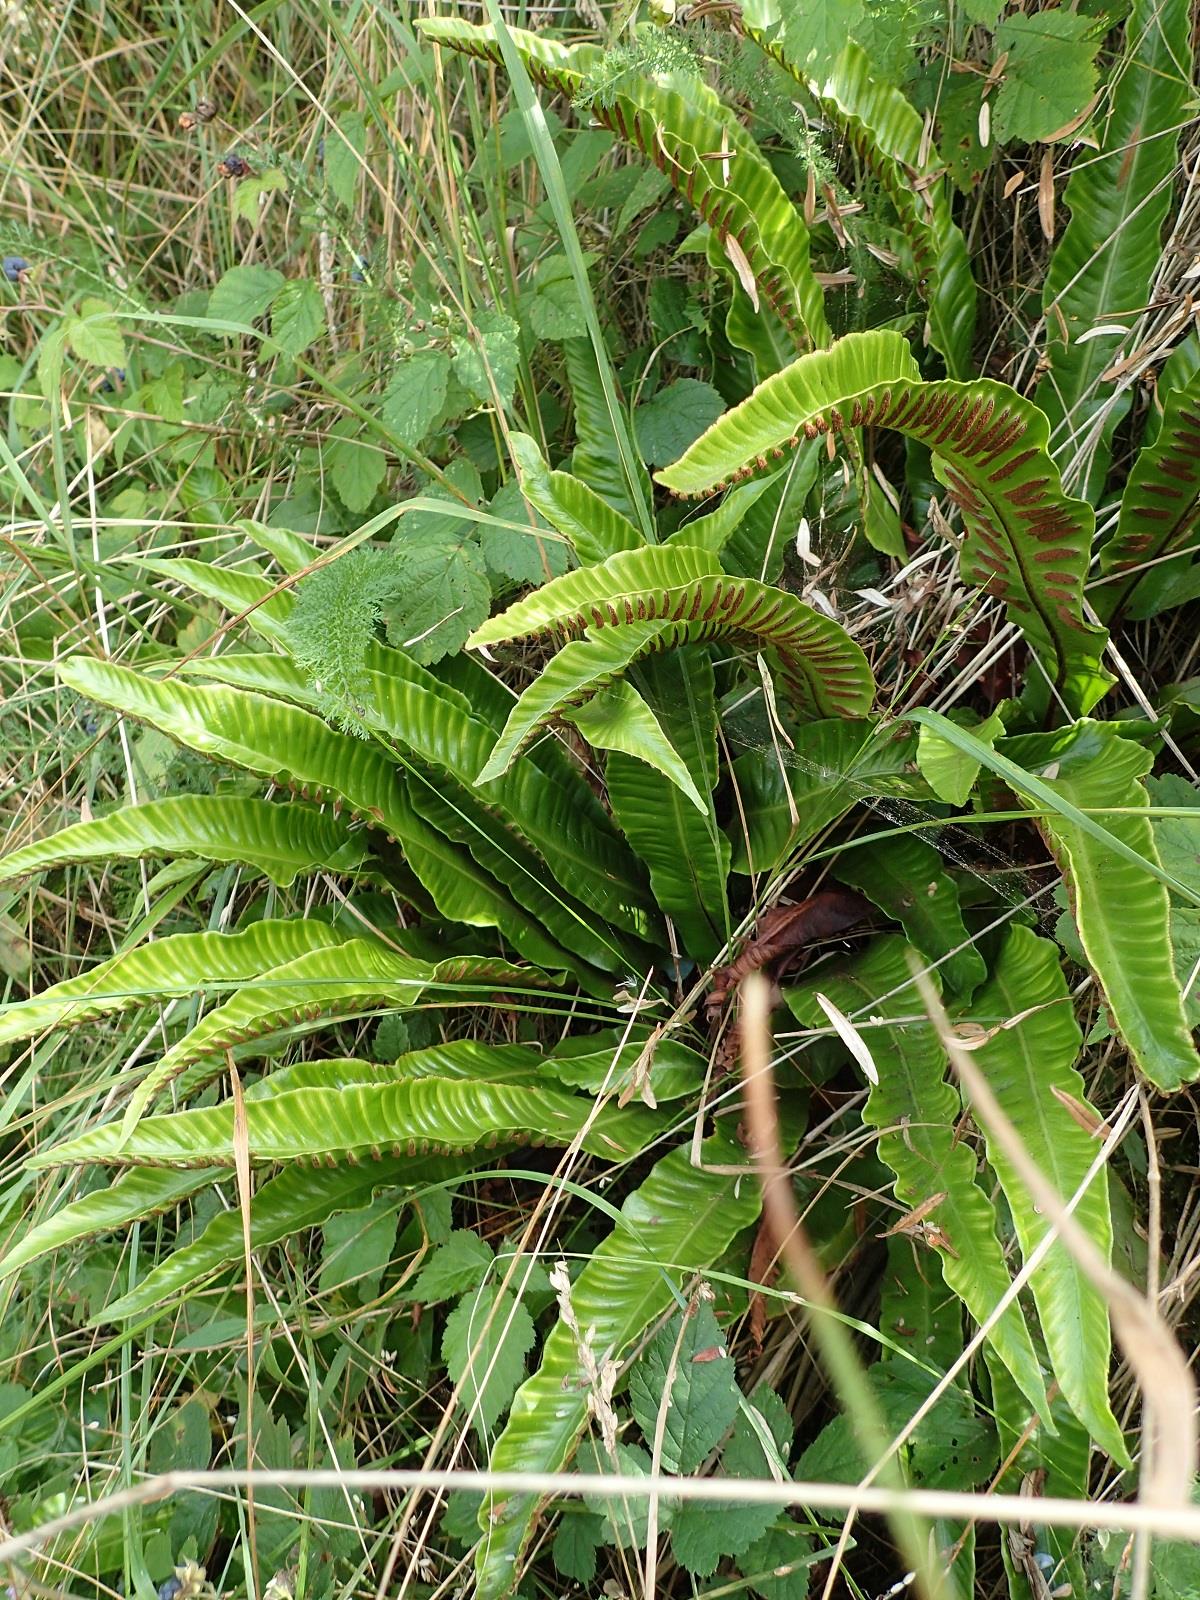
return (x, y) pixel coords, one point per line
(678, 1222)
(1024, 1065)
(484, 1345)
(596, 529)
(617, 718)
(281, 840)
(1027, 542)
(917, 1112)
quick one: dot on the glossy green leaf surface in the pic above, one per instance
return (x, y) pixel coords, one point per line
(677, 122)
(175, 967)
(1024, 1064)
(354, 977)
(668, 595)
(684, 850)
(327, 1126)
(1160, 508)
(680, 1220)
(1027, 542)
(281, 840)
(130, 1197)
(1121, 910)
(917, 1111)
(905, 878)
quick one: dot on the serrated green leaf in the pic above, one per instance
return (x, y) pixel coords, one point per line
(358, 1245)
(416, 395)
(94, 335)
(484, 1345)
(778, 1565)
(666, 425)
(490, 353)
(529, 553)
(575, 1542)
(345, 144)
(297, 316)
(1049, 73)
(243, 294)
(555, 311)
(697, 1408)
(355, 467)
(443, 594)
(452, 1269)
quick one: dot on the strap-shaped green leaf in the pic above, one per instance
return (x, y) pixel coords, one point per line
(1160, 508)
(682, 126)
(181, 964)
(904, 876)
(596, 529)
(1024, 1065)
(595, 460)
(1121, 910)
(888, 135)
(324, 1126)
(280, 840)
(619, 719)
(678, 1222)
(535, 804)
(684, 849)
(132, 1196)
(1027, 542)
(297, 1198)
(917, 1111)
(239, 591)
(354, 977)
(787, 793)
(661, 597)
(290, 746)
(1104, 265)
(594, 596)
